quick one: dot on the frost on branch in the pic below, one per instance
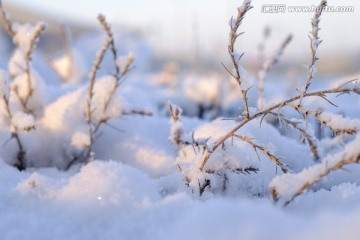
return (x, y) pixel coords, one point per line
(26, 36)
(102, 103)
(338, 124)
(286, 187)
(314, 44)
(25, 86)
(236, 57)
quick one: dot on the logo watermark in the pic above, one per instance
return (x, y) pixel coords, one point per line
(282, 8)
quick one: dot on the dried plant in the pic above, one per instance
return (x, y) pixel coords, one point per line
(21, 161)
(285, 188)
(93, 122)
(6, 20)
(19, 120)
(314, 44)
(24, 101)
(236, 57)
(200, 145)
(276, 109)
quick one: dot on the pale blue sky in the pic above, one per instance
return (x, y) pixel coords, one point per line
(169, 23)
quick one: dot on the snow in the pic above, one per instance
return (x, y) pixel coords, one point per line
(24, 33)
(140, 182)
(3, 83)
(338, 123)
(289, 185)
(108, 200)
(80, 140)
(70, 66)
(204, 91)
(23, 122)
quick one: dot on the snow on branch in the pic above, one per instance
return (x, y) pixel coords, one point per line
(219, 142)
(16, 123)
(338, 124)
(286, 187)
(307, 134)
(266, 151)
(100, 104)
(177, 136)
(25, 37)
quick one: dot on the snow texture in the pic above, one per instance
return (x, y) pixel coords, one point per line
(23, 122)
(142, 186)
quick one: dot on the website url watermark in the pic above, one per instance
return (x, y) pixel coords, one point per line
(282, 8)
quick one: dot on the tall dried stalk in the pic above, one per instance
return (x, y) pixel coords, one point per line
(40, 28)
(235, 57)
(314, 44)
(119, 74)
(6, 20)
(89, 110)
(27, 55)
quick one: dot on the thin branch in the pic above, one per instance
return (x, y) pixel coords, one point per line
(222, 140)
(287, 187)
(314, 44)
(119, 73)
(21, 161)
(40, 28)
(6, 20)
(235, 58)
(264, 150)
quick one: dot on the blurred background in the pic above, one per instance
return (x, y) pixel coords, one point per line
(193, 34)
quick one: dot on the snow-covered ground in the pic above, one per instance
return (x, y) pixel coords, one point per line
(98, 166)
(109, 200)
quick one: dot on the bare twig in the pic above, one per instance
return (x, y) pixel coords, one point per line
(89, 109)
(94, 126)
(264, 150)
(309, 138)
(137, 112)
(119, 73)
(21, 161)
(221, 140)
(39, 29)
(235, 58)
(314, 44)
(6, 20)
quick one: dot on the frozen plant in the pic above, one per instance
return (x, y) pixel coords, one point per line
(18, 122)
(213, 153)
(24, 100)
(26, 85)
(101, 105)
